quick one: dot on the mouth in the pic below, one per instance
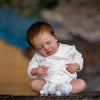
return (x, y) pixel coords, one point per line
(49, 52)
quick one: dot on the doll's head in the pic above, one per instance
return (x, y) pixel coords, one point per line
(41, 37)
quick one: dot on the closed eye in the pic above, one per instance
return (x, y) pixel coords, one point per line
(39, 48)
(49, 42)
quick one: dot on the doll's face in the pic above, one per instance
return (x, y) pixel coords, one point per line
(46, 44)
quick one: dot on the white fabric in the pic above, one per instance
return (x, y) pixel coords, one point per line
(57, 72)
(65, 88)
(44, 91)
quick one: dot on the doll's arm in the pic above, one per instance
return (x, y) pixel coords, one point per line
(33, 64)
(77, 59)
(72, 68)
(42, 71)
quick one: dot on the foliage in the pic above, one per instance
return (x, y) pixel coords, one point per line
(29, 7)
(24, 7)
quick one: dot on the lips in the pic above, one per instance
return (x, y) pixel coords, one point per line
(48, 52)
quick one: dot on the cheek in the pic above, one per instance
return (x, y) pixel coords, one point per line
(54, 46)
(42, 52)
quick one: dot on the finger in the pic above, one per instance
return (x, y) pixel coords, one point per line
(68, 68)
(69, 64)
(44, 73)
(45, 70)
(44, 67)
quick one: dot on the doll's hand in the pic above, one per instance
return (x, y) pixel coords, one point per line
(42, 70)
(72, 68)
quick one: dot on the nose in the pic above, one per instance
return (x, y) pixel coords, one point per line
(46, 47)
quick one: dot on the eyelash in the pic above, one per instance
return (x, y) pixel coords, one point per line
(48, 42)
(41, 47)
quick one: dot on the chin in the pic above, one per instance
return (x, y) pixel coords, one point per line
(50, 54)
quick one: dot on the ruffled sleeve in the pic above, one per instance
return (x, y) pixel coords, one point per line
(77, 58)
(34, 63)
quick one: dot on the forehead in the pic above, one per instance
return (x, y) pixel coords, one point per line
(42, 38)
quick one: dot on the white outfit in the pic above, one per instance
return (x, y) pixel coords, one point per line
(57, 72)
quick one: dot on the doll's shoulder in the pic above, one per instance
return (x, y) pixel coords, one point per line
(66, 47)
